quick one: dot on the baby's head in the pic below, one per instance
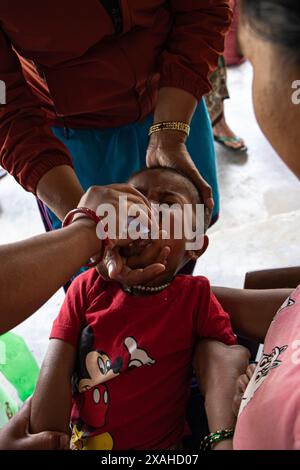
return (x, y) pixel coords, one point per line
(168, 187)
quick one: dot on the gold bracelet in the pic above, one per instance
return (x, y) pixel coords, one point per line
(170, 126)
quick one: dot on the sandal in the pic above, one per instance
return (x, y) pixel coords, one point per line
(224, 140)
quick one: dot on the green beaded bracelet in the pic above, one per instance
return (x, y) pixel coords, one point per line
(215, 437)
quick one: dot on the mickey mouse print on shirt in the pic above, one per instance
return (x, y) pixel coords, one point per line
(95, 368)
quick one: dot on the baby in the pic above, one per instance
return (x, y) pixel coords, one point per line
(119, 363)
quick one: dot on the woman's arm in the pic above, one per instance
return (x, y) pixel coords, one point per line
(251, 311)
(190, 56)
(60, 190)
(194, 44)
(168, 148)
(32, 270)
(51, 402)
(28, 147)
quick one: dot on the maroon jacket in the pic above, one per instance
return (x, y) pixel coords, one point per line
(68, 62)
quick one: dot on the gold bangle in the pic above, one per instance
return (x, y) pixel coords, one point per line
(170, 126)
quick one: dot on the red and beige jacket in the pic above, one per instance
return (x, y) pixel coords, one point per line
(79, 63)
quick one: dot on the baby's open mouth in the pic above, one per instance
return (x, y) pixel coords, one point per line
(134, 249)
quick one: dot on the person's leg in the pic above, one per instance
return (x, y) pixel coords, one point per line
(215, 105)
(223, 134)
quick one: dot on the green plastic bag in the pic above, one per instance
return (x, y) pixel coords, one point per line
(18, 365)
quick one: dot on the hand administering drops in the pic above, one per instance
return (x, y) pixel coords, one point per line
(118, 261)
(114, 263)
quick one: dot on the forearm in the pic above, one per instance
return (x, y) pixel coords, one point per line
(218, 367)
(218, 403)
(60, 190)
(251, 311)
(52, 399)
(32, 270)
(218, 393)
(174, 104)
(168, 147)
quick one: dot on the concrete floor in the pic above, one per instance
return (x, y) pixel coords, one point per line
(260, 219)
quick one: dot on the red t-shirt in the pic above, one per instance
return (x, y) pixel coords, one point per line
(134, 358)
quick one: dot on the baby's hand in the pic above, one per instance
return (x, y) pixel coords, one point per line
(241, 385)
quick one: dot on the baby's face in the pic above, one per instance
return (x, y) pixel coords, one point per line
(168, 188)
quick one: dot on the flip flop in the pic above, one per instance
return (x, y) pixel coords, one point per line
(2, 173)
(224, 140)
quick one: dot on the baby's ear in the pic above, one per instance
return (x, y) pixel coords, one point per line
(195, 254)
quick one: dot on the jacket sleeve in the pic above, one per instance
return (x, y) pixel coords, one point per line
(194, 44)
(28, 148)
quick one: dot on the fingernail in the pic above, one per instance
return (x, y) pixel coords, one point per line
(161, 268)
(110, 268)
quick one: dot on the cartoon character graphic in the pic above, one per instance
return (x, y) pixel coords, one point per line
(267, 363)
(94, 367)
(289, 302)
(138, 357)
(102, 441)
(100, 369)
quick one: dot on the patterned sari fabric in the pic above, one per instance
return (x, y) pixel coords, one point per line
(219, 93)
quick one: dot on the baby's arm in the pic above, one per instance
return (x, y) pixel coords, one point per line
(218, 367)
(251, 311)
(218, 362)
(51, 402)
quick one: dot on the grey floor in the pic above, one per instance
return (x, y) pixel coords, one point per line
(260, 218)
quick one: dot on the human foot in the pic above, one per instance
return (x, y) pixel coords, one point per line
(226, 137)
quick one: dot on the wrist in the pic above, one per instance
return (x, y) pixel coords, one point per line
(86, 230)
(218, 408)
(218, 440)
(227, 444)
(167, 138)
